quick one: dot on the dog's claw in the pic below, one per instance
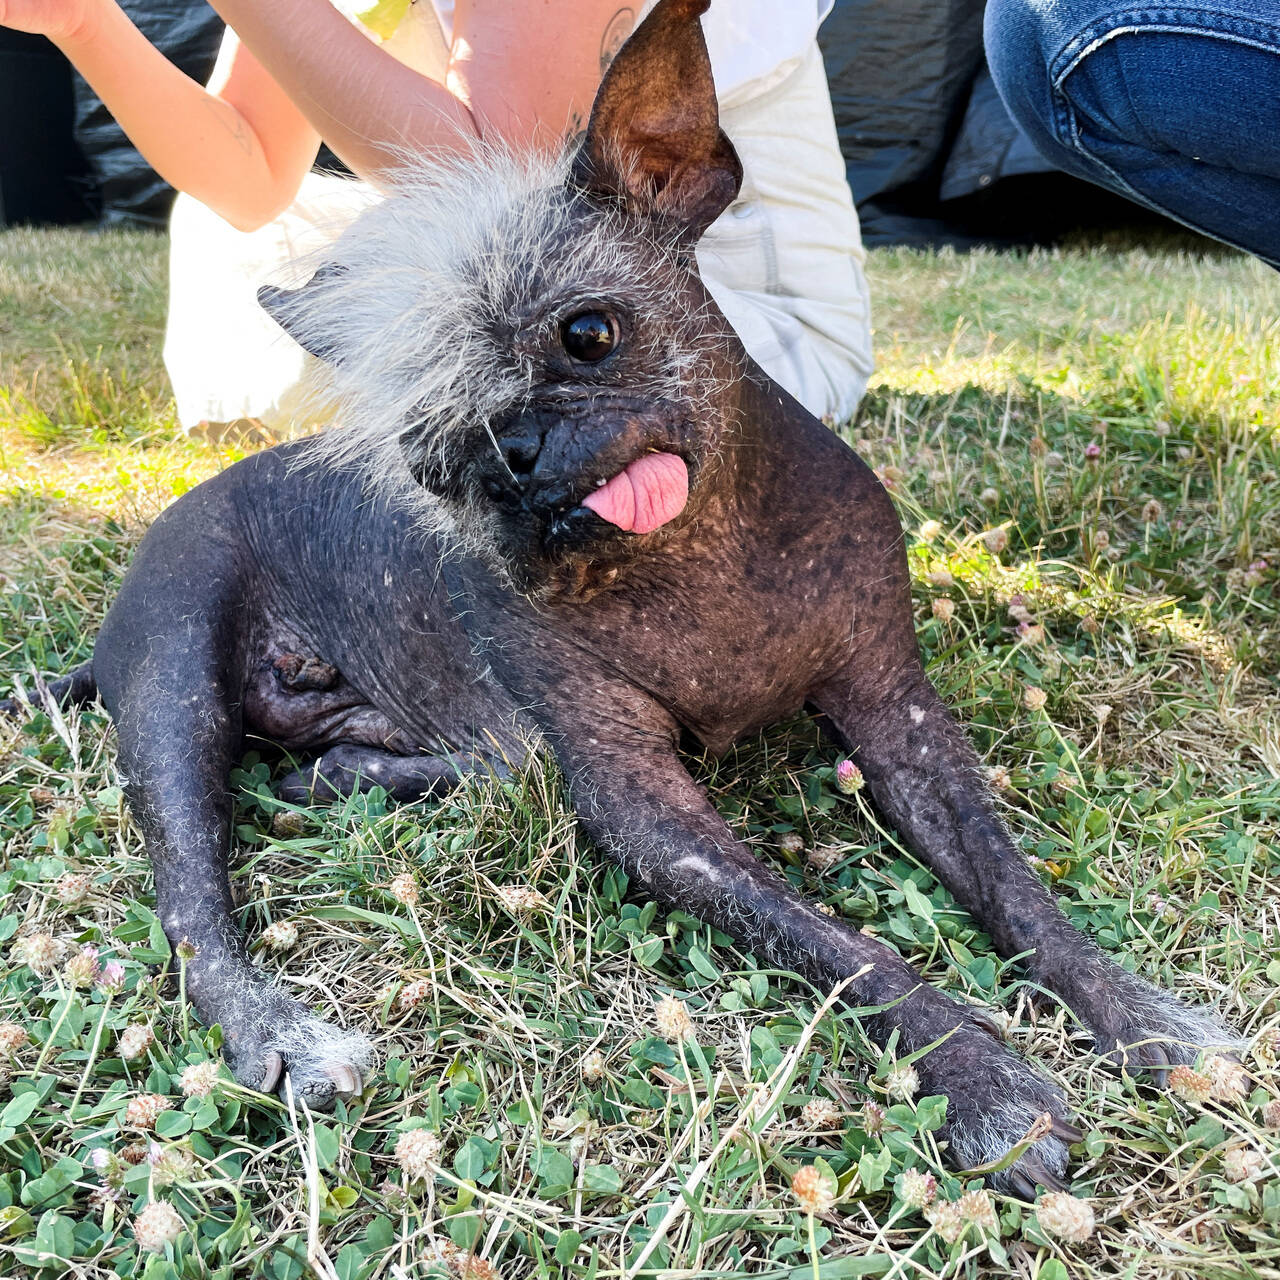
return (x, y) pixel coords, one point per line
(1066, 1132)
(988, 1024)
(272, 1066)
(347, 1079)
(1029, 1173)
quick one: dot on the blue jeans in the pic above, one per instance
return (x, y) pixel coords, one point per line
(1176, 105)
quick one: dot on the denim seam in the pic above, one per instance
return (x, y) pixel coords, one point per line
(1164, 21)
(1222, 26)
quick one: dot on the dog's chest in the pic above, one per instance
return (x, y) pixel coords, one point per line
(727, 648)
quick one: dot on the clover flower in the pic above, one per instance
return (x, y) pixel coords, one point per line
(1066, 1216)
(1190, 1085)
(1227, 1077)
(412, 994)
(945, 1218)
(418, 1152)
(820, 1113)
(1242, 1164)
(404, 888)
(281, 935)
(814, 1189)
(198, 1080)
(520, 899)
(39, 951)
(849, 779)
(170, 1165)
(82, 969)
(71, 887)
(902, 1082)
(978, 1208)
(672, 1018)
(134, 1041)
(159, 1224)
(142, 1111)
(917, 1189)
(872, 1119)
(12, 1038)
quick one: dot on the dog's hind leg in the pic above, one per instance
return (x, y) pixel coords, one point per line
(169, 667)
(347, 769)
(925, 778)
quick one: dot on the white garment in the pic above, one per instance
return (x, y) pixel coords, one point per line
(784, 261)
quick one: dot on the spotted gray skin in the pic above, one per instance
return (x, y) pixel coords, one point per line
(405, 640)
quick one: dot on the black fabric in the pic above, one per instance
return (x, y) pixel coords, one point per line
(188, 33)
(43, 177)
(931, 154)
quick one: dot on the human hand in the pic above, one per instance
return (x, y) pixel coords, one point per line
(60, 20)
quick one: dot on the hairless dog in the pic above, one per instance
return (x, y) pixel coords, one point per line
(562, 511)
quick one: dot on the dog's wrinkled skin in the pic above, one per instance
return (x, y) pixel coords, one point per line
(451, 600)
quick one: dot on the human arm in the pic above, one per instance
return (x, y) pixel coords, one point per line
(520, 71)
(239, 146)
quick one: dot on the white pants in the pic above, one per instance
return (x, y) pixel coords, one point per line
(784, 262)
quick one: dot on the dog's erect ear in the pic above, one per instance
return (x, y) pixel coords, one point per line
(654, 140)
(290, 309)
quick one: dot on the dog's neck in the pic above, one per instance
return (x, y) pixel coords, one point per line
(753, 487)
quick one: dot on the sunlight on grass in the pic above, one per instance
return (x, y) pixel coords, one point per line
(1083, 449)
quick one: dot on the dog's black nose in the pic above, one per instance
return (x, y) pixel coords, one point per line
(520, 452)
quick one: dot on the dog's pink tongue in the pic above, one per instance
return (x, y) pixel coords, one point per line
(652, 490)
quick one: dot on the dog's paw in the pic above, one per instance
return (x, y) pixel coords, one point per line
(1142, 1028)
(318, 1061)
(994, 1102)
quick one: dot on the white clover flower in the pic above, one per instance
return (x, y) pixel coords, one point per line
(820, 1113)
(135, 1040)
(1064, 1215)
(902, 1082)
(418, 1153)
(200, 1079)
(142, 1111)
(672, 1018)
(159, 1224)
(40, 951)
(281, 935)
(404, 888)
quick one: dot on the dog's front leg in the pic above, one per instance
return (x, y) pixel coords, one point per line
(166, 663)
(926, 779)
(638, 802)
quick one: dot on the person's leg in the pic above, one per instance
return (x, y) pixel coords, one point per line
(1176, 106)
(785, 260)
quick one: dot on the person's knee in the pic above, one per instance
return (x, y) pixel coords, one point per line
(1196, 93)
(1074, 73)
(1020, 36)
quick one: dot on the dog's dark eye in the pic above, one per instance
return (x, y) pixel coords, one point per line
(590, 336)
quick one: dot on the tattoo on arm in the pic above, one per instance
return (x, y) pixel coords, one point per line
(233, 123)
(615, 34)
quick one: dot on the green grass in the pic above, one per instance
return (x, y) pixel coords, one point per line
(1148, 787)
